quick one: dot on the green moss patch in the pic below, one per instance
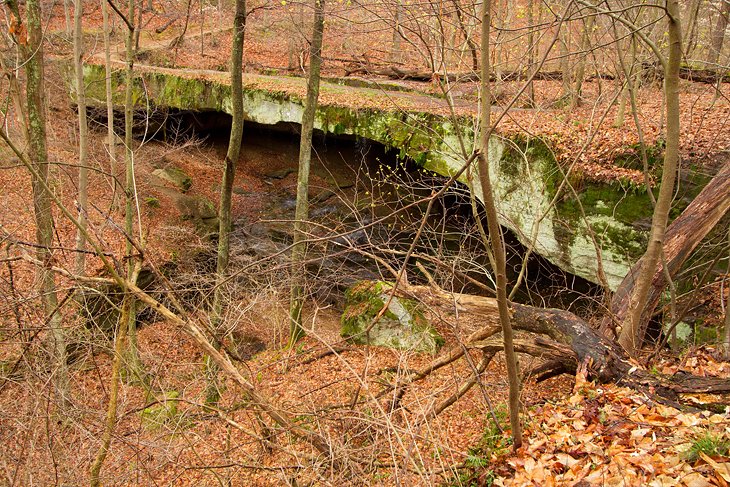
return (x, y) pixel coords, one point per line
(402, 326)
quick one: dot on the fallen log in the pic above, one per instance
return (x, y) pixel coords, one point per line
(560, 336)
(707, 76)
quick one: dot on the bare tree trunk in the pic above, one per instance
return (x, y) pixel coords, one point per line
(473, 48)
(631, 335)
(725, 340)
(229, 173)
(565, 64)
(111, 412)
(83, 136)
(133, 368)
(111, 135)
(580, 71)
(299, 249)
(691, 26)
(495, 234)
(531, 48)
(395, 54)
(67, 17)
(718, 34)
(681, 238)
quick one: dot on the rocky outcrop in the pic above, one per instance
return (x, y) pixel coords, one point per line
(571, 226)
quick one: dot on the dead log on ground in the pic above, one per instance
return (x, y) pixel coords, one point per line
(559, 335)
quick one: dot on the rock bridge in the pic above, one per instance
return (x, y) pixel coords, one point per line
(569, 225)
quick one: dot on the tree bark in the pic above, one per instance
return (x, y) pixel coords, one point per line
(111, 135)
(726, 332)
(691, 36)
(133, 368)
(557, 336)
(473, 48)
(580, 71)
(632, 331)
(305, 156)
(120, 339)
(531, 48)
(42, 199)
(229, 174)
(495, 233)
(718, 34)
(83, 180)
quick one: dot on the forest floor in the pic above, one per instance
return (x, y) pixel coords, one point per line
(576, 432)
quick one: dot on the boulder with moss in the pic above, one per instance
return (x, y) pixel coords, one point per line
(175, 176)
(403, 326)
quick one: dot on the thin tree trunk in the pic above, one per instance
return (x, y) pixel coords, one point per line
(67, 17)
(133, 368)
(83, 136)
(631, 335)
(580, 71)
(111, 412)
(396, 35)
(495, 234)
(725, 342)
(681, 238)
(229, 174)
(305, 156)
(718, 34)
(111, 135)
(473, 48)
(530, 51)
(565, 66)
(691, 36)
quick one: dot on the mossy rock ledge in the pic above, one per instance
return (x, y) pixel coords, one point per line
(403, 326)
(570, 229)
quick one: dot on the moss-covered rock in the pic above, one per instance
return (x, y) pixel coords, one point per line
(197, 209)
(175, 176)
(403, 326)
(164, 412)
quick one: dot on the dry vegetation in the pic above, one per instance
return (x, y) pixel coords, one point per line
(577, 432)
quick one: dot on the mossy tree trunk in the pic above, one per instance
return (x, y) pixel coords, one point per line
(631, 334)
(301, 215)
(41, 196)
(495, 234)
(132, 364)
(681, 238)
(229, 174)
(35, 131)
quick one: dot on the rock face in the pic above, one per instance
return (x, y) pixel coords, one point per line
(402, 326)
(569, 226)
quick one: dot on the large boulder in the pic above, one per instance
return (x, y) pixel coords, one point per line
(402, 326)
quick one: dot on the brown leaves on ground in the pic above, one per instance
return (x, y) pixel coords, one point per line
(612, 435)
